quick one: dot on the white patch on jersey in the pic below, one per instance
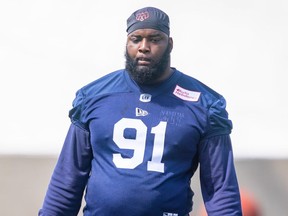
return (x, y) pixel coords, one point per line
(185, 94)
(145, 98)
(169, 214)
(141, 112)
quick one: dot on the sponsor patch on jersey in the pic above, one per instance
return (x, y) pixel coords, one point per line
(169, 214)
(145, 98)
(185, 94)
(141, 112)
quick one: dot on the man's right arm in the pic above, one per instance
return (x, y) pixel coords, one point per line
(69, 179)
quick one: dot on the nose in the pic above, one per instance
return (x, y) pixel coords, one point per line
(144, 46)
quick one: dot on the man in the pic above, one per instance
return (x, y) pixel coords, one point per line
(138, 134)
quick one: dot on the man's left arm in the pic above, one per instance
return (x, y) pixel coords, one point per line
(219, 183)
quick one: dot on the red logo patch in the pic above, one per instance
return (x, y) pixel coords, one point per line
(142, 16)
(185, 94)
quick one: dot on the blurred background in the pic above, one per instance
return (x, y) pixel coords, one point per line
(50, 49)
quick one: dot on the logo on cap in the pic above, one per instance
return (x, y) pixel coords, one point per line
(142, 16)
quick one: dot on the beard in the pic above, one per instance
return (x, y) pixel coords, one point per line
(147, 74)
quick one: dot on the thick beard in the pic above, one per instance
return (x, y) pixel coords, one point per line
(147, 74)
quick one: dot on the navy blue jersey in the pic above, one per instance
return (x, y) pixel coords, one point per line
(137, 147)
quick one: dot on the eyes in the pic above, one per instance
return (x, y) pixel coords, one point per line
(152, 39)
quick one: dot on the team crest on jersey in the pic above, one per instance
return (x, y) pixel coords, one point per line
(185, 94)
(141, 112)
(145, 98)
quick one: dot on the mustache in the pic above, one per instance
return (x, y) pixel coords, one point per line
(142, 59)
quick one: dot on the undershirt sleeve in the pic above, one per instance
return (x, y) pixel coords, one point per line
(219, 184)
(66, 188)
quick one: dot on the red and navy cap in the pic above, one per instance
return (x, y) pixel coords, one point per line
(148, 18)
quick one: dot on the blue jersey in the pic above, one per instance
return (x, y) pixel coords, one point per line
(137, 147)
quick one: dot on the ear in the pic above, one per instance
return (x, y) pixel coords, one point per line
(170, 43)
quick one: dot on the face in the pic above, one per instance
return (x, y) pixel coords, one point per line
(148, 55)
